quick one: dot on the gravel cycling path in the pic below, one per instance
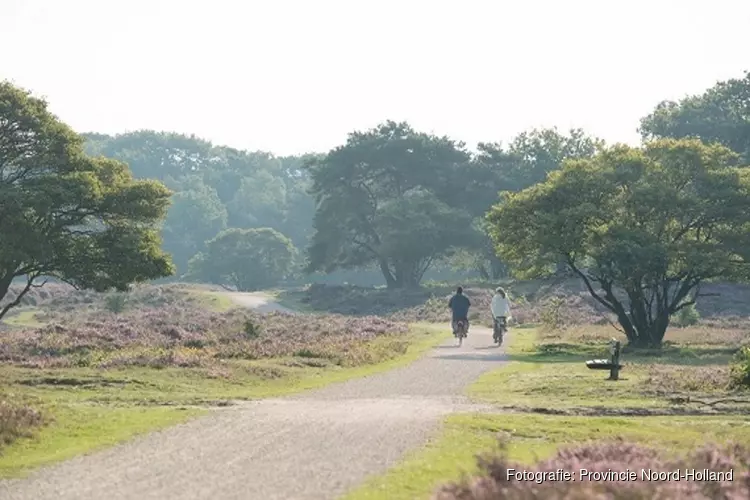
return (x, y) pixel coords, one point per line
(314, 445)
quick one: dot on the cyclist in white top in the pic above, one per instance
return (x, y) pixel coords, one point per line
(500, 306)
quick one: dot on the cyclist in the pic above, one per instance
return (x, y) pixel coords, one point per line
(500, 307)
(459, 305)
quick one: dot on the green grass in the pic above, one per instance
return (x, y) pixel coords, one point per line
(532, 437)
(23, 317)
(291, 300)
(551, 373)
(81, 429)
(215, 301)
(92, 408)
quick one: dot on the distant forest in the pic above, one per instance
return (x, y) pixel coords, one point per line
(421, 199)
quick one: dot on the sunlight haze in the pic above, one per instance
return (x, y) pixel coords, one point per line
(296, 76)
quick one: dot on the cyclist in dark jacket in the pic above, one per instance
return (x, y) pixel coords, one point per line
(459, 305)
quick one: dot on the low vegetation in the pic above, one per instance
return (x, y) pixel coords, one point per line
(190, 337)
(528, 441)
(682, 397)
(105, 367)
(644, 478)
(691, 373)
(17, 420)
(533, 302)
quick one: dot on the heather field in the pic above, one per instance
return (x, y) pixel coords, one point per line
(81, 369)
(557, 303)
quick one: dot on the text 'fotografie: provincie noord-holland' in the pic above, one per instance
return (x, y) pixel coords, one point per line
(626, 475)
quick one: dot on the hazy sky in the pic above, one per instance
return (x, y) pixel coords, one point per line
(291, 76)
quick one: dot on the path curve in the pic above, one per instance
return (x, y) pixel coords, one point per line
(261, 302)
(315, 445)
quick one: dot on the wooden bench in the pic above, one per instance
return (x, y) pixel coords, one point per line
(612, 364)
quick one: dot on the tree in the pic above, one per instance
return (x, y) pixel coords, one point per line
(248, 259)
(531, 155)
(478, 255)
(643, 228)
(66, 215)
(195, 216)
(256, 189)
(155, 155)
(527, 160)
(388, 197)
(260, 201)
(721, 114)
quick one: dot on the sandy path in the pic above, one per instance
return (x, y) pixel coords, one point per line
(315, 445)
(259, 301)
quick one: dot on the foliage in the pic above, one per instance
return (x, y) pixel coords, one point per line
(478, 254)
(532, 155)
(494, 481)
(391, 197)
(527, 160)
(643, 228)
(115, 302)
(196, 216)
(17, 420)
(67, 215)
(687, 316)
(740, 370)
(248, 259)
(721, 114)
(216, 187)
(551, 316)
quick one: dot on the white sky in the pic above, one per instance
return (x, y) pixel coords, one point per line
(291, 76)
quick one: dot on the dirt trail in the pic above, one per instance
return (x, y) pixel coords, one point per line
(259, 301)
(314, 445)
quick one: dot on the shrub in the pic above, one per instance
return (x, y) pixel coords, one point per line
(251, 330)
(740, 370)
(17, 421)
(115, 302)
(147, 336)
(687, 316)
(551, 315)
(497, 481)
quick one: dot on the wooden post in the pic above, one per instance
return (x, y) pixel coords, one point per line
(614, 372)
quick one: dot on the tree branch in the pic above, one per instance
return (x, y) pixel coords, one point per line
(29, 283)
(587, 282)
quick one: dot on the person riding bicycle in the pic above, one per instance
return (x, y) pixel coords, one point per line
(459, 305)
(500, 306)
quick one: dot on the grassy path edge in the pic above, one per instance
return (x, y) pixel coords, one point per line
(84, 428)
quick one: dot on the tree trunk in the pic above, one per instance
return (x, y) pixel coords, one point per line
(483, 273)
(390, 280)
(406, 275)
(403, 275)
(499, 269)
(649, 331)
(561, 269)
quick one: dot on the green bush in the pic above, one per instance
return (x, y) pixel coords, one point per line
(252, 330)
(115, 302)
(551, 315)
(687, 316)
(740, 372)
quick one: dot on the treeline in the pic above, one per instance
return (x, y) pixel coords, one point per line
(392, 202)
(220, 190)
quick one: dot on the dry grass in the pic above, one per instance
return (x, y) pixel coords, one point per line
(17, 420)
